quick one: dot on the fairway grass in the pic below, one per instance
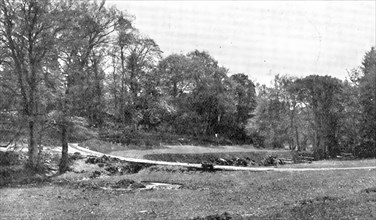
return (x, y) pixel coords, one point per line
(246, 195)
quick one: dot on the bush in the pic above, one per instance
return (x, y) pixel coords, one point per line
(9, 158)
(257, 140)
(124, 183)
(365, 150)
(319, 154)
(272, 160)
(302, 156)
(223, 216)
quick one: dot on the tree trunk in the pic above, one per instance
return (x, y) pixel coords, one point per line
(63, 166)
(98, 120)
(33, 151)
(31, 109)
(175, 90)
(291, 131)
(297, 138)
(122, 88)
(316, 141)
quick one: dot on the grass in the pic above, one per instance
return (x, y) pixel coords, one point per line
(107, 147)
(336, 163)
(248, 195)
(345, 194)
(156, 138)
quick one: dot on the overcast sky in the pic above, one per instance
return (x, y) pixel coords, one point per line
(263, 39)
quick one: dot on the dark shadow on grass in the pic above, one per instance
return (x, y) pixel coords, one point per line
(15, 172)
(20, 176)
(369, 190)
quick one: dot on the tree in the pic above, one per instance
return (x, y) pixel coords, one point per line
(322, 95)
(11, 126)
(119, 80)
(245, 96)
(28, 34)
(153, 106)
(368, 94)
(350, 119)
(205, 100)
(280, 118)
(211, 98)
(271, 117)
(175, 71)
(367, 88)
(81, 53)
(143, 56)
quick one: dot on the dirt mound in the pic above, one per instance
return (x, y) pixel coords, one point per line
(76, 156)
(124, 183)
(114, 166)
(103, 159)
(243, 159)
(369, 190)
(223, 216)
(95, 174)
(235, 161)
(272, 160)
(171, 169)
(316, 200)
(128, 168)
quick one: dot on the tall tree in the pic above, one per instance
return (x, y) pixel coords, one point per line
(118, 79)
(143, 55)
(28, 34)
(278, 116)
(368, 94)
(245, 96)
(211, 93)
(175, 71)
(81, 52)
(351, 118)
(322, 95)
(271, 118)
(367, 89)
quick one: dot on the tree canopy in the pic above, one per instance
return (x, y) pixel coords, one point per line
(66, 63)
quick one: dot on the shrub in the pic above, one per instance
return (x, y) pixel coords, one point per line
(365, 150)
(257, 140)
(223, 216)
(9, 158)
(271, 160)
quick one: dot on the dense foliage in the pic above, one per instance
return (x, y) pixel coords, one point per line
(80, 64)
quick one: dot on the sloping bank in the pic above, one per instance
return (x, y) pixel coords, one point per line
(75, 147)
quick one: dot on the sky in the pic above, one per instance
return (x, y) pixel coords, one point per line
(262, 38)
